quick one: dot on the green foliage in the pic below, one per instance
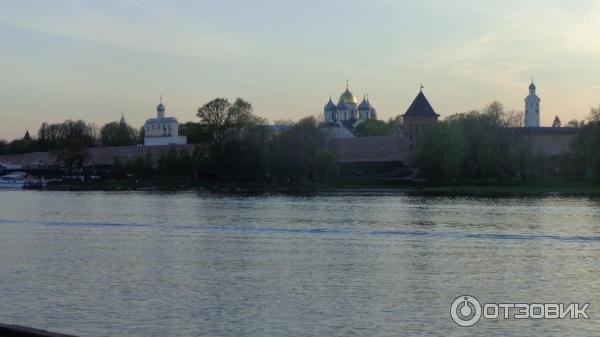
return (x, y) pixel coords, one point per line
(69, 141)
(115, 134)
(556, 123)
(176, 164)
(594, 115)
(3, 147)
(372, 128)
(475, 145)
(67, 134)
(378, 128)
(293, 153)
(575, 123)
(224, 122)
(21, 146)
(196, 133)
(325, 164)
(442, 152)
(584, 150)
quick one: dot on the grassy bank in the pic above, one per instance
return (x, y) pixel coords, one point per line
(538, 187)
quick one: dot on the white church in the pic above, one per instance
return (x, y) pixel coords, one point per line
(162, 130)
(348, 110)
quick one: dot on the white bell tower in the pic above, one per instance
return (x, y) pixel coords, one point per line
(532, 108)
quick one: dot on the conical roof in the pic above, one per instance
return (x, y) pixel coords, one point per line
(420, 107)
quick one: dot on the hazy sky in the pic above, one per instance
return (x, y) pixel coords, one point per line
(93, 60)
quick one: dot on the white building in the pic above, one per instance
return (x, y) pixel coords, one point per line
(532, 108)
(162, 130)
(348, 109)
(341, 119)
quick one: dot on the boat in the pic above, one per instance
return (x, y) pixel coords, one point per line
(15, 180)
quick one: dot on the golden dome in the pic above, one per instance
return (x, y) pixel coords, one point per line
(348, 98)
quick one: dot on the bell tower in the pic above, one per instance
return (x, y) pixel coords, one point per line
(532, 108)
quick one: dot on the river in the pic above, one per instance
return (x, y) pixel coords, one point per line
(337, 264)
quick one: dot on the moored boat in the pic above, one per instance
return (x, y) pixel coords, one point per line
(15, 180)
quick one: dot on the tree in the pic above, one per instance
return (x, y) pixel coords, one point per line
(556, 123)
(575, 123)
(196, 133)
(70, 141)
(293, 152)
(475, 145)
(395, 124)
(3, 147)
(372, 128)
(515, 119)
(215, 115)
(325, 164)
(594, 115)
(237, 138)
(584, 149)
(442, 151)
(116, 134)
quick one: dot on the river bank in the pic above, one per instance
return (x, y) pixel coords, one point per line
(473, 187)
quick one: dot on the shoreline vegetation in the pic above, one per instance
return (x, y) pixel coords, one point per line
(371, 185)
(237, 152)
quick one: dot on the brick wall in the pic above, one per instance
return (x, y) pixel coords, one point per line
(98, 155)
(369, 149)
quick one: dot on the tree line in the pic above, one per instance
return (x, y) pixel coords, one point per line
(237, 145)
(479, 145)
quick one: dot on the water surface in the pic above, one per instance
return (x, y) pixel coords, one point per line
(342, 264)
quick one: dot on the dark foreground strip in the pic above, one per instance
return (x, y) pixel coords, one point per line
(21, 331)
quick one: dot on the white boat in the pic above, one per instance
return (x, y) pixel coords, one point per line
(14, 180)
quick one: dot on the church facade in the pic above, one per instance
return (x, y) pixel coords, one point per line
(348, 110)
(162, 130)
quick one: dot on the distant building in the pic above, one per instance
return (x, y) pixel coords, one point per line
(122, 121)
(419, 116)
(162, 130)
(342, 117)
(532, 108)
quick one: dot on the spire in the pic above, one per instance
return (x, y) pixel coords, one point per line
(122, 121)
(421, 87)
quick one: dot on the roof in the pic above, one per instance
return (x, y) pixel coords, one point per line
(420, 107)
(347, 97)
(364, 105)
(330, 106)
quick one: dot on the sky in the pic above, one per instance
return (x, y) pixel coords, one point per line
(93, 60)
